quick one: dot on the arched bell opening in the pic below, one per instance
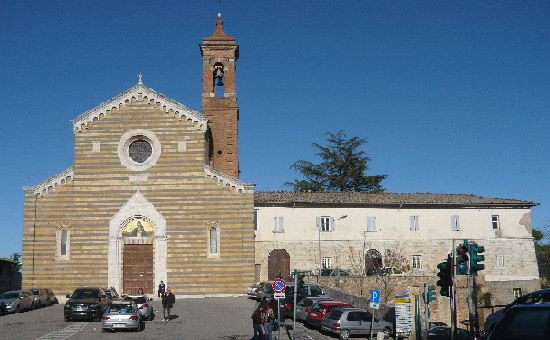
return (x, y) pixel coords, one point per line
(219, 80)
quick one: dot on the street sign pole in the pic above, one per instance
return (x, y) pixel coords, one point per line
(279, 287)
(426, 307)
(294, 309)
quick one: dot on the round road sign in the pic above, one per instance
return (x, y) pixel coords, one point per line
(279, 285)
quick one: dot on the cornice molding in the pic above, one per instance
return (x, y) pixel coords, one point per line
(228, 181)
(167, 104)
(52, 182)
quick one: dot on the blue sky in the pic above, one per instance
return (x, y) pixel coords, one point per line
(451, 96)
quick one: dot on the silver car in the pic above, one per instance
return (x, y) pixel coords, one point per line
(121, 315)
(16, 301)
(143, 304)
(353, 321)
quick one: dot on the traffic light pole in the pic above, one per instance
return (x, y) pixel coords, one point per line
(470, 307)
(426, 307)
(452, 300)
(294, 309)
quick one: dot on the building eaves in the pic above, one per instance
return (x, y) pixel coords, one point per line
(294, 198)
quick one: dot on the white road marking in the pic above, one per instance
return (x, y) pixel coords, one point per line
(64, 333)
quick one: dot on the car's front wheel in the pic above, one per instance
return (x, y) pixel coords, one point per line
(344, 334)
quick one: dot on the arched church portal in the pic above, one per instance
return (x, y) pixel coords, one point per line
(137, 247)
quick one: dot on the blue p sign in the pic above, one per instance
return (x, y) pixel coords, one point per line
(374, 296)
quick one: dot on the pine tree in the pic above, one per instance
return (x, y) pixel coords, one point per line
(342, 168)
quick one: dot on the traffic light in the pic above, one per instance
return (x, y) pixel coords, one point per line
(462, 260)
(475, 258)
(431, 293)
(300, 282)
(445, 276)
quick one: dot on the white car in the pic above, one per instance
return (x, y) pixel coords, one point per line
(16, 301)
(143, 304)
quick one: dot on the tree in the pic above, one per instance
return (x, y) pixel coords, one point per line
(542, 251)
(16, 257)
(342, 168)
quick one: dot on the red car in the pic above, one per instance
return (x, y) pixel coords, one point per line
(319, 309)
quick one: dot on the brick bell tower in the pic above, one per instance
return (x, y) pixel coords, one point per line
(219, 100)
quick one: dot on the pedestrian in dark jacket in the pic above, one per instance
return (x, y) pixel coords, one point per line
(162, 289)
(168, 300)
(257, 322)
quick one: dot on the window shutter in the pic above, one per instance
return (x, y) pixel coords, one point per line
(414, 223)
(332, 225)
(371, 223)
(455, 223)
(318, 220)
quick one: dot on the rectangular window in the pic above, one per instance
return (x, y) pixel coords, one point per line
(325, 223)
(213, 239)
(326, 262)
(414, 223)
(63, 243)
(256, 219)
(371, 223)
(416, 262)
(279, 224)
(499, 261)
(495, 222)
(455, 223)
(517, 293)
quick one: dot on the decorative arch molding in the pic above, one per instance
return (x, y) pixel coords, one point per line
(139, 91)
(52, 182)
(137, 207)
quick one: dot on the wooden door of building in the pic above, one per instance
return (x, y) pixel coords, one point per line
(278, 265)
(138, 268)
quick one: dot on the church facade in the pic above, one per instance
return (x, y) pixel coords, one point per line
(153, 195)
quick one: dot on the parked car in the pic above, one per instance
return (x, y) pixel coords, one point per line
(51, 296)
(433, 324)
(287, 305)
(16, 301)
(444, 333)
(253, 290)
(539, 296)
(40, 297)
(354, 321)
(112, 294)
(531, 321)
(86, 303)
(319, 309)
(143, 304)
(304, 304)
(121, 315)
(309, 289)
(335, 272)
(392, 271)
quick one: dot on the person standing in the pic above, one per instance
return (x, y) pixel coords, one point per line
(140, 290)
(268, 317)
(162, 289)
(257, 322)
(168, 300)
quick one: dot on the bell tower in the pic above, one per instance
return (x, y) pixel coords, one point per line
(219, 100)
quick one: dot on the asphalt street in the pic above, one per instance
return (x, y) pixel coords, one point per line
(193, 318)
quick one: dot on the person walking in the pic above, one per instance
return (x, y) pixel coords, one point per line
(162, 289)
(257, 323)
(168, 300)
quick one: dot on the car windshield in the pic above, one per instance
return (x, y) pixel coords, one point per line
(318, 308)
(121, 309)
(136, 299)
(9, 296)
(85, 294)
(316, 291)
(35, 291)
(335, 314)
(533, 298)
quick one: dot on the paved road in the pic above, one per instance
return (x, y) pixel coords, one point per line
(194, 319)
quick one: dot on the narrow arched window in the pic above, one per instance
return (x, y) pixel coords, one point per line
(213, 240)
(63, 242)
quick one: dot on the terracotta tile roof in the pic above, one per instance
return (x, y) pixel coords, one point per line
(362, 198)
